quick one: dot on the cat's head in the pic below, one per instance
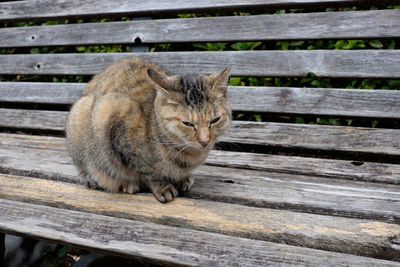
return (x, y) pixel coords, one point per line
(191, 109)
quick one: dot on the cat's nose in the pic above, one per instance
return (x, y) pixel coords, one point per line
(204, 142)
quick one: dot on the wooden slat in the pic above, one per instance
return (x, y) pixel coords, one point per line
(310, 101)
(28, 10)
(327, 25)
(306, 194)
(303, 136)
(322, 137)
(317, 101)
(33, 119)
(47, 157)
(338, 169)
(39, 92)
(353, 236)
(173, 245)
(324, 63)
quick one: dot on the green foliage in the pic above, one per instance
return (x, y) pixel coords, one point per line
(7, 50)
(46, 50)
(236, 81)
(285, 45)
(102, 49)
(258, 117)
(55, 257)
(63, 251)
(245, 45)
(161, 48)
(375, 43)
(349, 44)
(210, 46)
(186, 16)
(313, 81)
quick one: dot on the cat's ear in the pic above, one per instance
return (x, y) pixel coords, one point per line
(159, 80)
(220, 83)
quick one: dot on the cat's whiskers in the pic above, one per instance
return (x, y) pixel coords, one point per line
(171, 145)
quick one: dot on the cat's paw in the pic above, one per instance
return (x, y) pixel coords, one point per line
(166, 193)
(187, 183)
(130, 188)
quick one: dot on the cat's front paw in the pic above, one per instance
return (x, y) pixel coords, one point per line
(187, 183)
(166, 193)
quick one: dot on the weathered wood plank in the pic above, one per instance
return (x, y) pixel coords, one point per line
(299, 136)
(321, 137)
(324, 63)
(326, 25)
(338, 169)
(353, 236)
(317, 101)
(311, 194)
(174, 245)
(314, 101)
(27, 10)
(33, 119)
(298, 193)
(39, 92)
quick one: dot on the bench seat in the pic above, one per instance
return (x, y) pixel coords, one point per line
(272, 192)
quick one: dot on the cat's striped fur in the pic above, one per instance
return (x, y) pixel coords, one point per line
(135, 127)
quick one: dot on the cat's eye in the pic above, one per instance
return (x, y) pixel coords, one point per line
(215, 120)
(188, 123)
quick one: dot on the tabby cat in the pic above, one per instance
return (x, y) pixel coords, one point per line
(137, 127)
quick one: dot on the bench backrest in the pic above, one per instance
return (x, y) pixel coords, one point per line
(42, 106)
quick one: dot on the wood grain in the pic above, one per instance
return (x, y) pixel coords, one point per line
(326, 25)
(177, 246)
(40, 92)
(26, 10)
(33, 119)
(321, 137)
(299, 63)
(299, 136)
(328, 168)
(317, 101)
(309, 101)
(46, 157)
(353, 236)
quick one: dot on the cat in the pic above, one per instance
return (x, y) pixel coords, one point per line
(137, 127)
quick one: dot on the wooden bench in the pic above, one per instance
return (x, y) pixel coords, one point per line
(276, 193)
